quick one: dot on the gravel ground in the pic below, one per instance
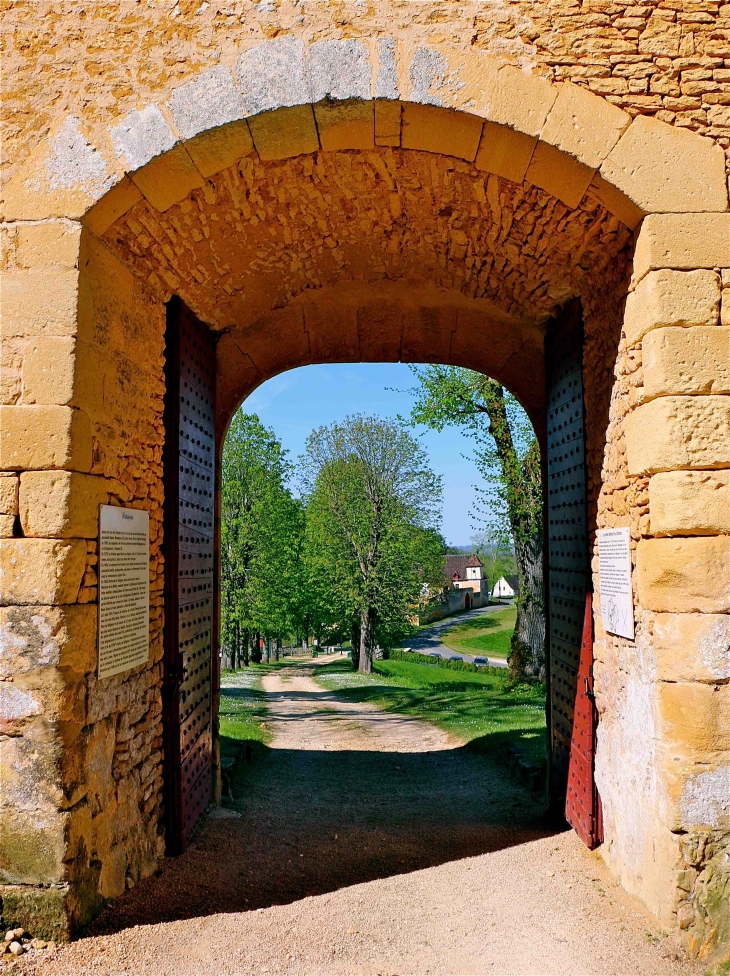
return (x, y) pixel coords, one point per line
(458, 874)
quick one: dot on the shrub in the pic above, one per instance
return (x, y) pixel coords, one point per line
(396, 654)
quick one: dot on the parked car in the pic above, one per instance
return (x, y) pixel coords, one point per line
(481, 662)
(455, 657)
(434, 654)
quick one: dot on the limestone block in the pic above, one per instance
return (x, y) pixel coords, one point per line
(386, 80)
(211, 99)
(387, 123)
(672, 298)
(285, 133)
(37, 637)
(41, 571)
(32, 844)
(47, 244)
(217, 149)
(584, 125)
(339, 70)
(616, 202)
(62, 177)
(141, 136)
(345, 125)
(112, 205)
(559, 174)
(7, 526)
(436, 130)
(9, 494)
(273, 75)
(680, 360)
(505, 151)
(667, 169)
(682, 242)
(690, 503)
(332, 331)
(676, 432)
(684, 575)
(378, 326)
(63, 504)
(510, 96)
(39, 302)
(695, 717)
(33, 437)
(705, 801)
(49, 365)
(168, 179)
(692, 646)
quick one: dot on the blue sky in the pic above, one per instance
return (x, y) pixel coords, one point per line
(295, 402)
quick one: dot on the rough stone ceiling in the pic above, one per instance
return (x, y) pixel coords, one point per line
(260, 234)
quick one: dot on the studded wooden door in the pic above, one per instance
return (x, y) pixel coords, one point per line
(570, 621)
(189, 459)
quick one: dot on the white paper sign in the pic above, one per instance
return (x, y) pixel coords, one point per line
(614, 571)
(124, 589)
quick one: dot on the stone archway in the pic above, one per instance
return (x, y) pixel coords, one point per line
(448, 219)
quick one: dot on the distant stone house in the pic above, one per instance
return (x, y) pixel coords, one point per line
(467, 573)
(505, 587)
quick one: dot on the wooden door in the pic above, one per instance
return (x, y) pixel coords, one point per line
(189, 472)
(570, 621)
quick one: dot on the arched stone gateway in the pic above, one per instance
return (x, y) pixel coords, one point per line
(380, 196)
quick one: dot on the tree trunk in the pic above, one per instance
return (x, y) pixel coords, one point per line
(367, 626)
(527, 653)
(245, 646)
(355, 644)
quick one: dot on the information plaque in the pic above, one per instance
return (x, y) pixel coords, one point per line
(124, 589)
(614, 571)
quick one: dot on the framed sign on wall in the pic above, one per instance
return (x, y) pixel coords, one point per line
(614, 573)
(124, 589)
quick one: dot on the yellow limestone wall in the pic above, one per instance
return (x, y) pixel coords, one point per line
(436, 180)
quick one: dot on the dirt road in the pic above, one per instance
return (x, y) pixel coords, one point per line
(460, 876)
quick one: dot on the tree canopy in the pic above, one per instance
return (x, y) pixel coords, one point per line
(373, 507)
(508, 458)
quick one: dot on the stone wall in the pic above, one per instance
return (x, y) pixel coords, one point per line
(81, 758)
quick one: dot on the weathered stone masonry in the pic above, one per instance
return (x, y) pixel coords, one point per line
(237, 158)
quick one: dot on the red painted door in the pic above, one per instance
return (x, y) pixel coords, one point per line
(582, 802)
(189, 678)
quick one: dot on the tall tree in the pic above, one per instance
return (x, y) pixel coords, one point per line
(262, 530)
(508, 457)
(373, 505)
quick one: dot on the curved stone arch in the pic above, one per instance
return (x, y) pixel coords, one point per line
(285, 97)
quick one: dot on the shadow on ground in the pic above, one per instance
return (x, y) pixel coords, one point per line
(309, 822)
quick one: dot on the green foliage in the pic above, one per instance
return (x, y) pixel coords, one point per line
(508, 458)
(262, 529)
(372, 506)
(507, 454)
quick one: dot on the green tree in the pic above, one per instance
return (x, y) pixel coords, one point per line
(508, 458)
(373, 505)
(262, 532)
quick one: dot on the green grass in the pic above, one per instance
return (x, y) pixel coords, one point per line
(485, 710)
(243, 711)
(488, 634)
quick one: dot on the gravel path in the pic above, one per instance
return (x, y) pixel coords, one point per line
(458, 876)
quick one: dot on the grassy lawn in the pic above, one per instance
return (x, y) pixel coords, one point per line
(485, 710)
(489, 634)
(243, 708)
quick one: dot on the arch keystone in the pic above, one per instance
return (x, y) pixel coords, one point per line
(665, 169)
